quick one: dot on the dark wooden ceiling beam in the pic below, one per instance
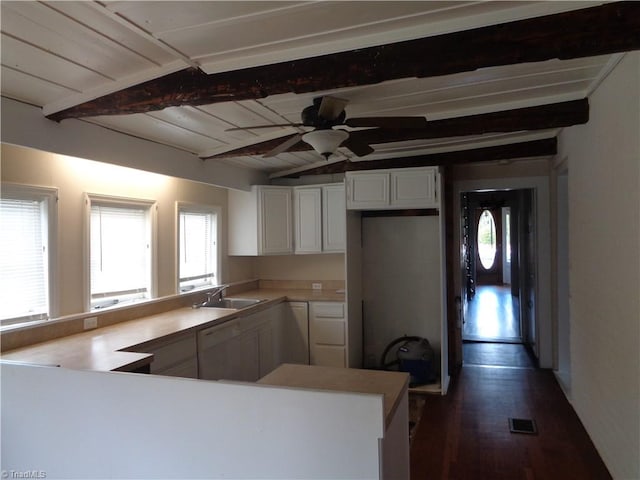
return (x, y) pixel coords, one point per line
(536, 148)
(604, 29)
(555, 115)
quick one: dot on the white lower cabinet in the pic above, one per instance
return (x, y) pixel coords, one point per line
(327, 334)
(176, 357)
(216, 350)
(295, 333)
(243, 349)
(249, 347)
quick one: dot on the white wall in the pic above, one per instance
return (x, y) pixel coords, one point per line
(604, 277)
(74, 176)
(328, 266)
(401, 283)
(80, 424)
(25, 125)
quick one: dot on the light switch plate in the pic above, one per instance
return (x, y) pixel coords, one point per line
(316, 286)
(90, 322)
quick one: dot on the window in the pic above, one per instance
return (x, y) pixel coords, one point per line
(487, 242)
(198, 262)
(27, 216)
(121, 251)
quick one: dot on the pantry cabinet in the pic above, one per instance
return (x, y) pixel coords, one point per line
(393, 189)
(260, 221)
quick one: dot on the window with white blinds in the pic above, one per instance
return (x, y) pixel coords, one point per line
(198, 248)
(25, 253)
(120, 252)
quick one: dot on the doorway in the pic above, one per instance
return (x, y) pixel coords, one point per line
(498, 250)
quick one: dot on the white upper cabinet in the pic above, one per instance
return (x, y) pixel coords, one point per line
(307, 208)
(366, 190)
(319, 218)
(334, 214)
(414, 187)
(393, 189)
(260, 221)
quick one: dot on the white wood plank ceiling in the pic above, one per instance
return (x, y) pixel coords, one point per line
(59, 54)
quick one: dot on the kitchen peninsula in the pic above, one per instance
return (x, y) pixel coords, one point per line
(275, 427)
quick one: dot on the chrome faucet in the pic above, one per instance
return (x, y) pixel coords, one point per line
(216, 295)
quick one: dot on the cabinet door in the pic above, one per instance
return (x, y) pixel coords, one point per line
(367, 190)
(243, 352)
(414, 188)
(308, 220)
(171, 353)
(295, 333)
(214, 351)
(275, 221)
(333, 218)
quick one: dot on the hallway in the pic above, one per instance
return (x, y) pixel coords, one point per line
(465, 435)
(492, 315)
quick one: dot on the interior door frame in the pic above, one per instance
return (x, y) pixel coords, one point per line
(543, 325)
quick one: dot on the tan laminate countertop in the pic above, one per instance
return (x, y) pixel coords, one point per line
(102, 349)
(392, 385)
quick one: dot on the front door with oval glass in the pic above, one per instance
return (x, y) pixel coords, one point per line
(489, 246)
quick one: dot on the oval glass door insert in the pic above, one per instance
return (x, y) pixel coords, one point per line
(487, 244)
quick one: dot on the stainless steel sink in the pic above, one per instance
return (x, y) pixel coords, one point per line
(236, 303)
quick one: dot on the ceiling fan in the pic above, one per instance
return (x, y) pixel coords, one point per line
(326, 113)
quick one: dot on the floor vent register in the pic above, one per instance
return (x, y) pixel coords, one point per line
(522, 425)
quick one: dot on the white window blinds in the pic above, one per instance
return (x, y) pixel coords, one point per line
(23, 260)
(120, 260)
(198, 250)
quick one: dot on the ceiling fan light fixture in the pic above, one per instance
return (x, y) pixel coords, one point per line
(325, 142)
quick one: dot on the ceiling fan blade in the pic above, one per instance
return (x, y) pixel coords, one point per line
(254, 127)
(331, 107)
(284, 146)
(359, 148)
(387, 122)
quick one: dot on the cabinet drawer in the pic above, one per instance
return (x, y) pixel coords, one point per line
(328, 356)
(328, 309)
(328, 331)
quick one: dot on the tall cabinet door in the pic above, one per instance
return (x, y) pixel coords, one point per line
(308, 220)
(333, 218)
(275, 221)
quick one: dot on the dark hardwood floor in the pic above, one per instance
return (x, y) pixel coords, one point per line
(498, 354)
(465, 434)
